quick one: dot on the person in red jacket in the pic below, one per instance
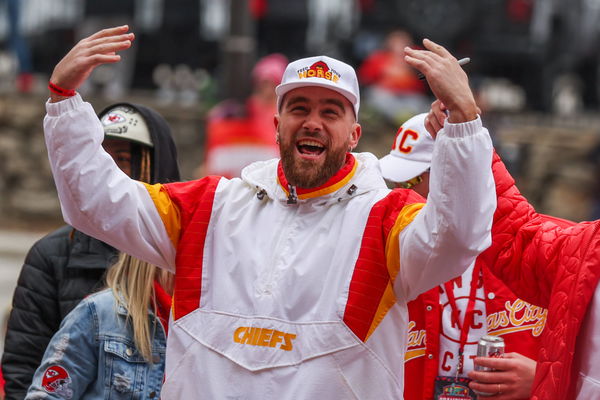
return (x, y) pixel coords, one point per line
(554, 264)
(448, 320)
(239, 134)
(392, 87)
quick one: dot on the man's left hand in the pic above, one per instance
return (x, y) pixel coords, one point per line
(511, 380)
(446, 78)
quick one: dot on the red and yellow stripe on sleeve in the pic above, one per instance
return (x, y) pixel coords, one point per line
(185, 209)
(167, 209)
(371, 293)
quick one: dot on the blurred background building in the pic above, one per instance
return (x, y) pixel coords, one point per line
(535, 68)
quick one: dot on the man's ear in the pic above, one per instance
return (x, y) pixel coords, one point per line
(355, 135)
(276, 123)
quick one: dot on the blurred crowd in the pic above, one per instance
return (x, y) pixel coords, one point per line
(198, 74)
(520, 49)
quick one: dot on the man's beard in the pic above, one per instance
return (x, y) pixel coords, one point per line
(308, 174)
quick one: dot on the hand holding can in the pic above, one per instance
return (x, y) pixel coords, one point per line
(508, 377)
(488, 346)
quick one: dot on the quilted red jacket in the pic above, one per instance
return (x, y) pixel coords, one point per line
(520, 326)
(552, 263)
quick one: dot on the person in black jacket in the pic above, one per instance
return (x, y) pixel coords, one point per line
(67, 265)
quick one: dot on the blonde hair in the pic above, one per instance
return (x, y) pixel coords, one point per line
(132, 283)
(145, 171)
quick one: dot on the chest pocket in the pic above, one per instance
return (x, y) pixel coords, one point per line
(258, 358)
(125, 370)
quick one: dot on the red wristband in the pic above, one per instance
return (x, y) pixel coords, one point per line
(60, 91)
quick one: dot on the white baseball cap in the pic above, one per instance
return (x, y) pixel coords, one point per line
(125, 122)
(411, 151)
(321, 71)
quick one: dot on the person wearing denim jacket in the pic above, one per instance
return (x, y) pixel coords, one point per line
(113, 344)
(93, 356)
(67, 265)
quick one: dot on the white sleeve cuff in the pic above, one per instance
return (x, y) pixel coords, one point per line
(63, 106)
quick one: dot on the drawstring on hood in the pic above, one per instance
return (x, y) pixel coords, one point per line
(292, 197)
(261, 193)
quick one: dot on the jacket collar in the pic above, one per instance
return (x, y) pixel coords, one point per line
(360, 174)
(339, 180)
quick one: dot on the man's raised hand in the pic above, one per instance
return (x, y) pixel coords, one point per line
(87, 54)
(446, 78)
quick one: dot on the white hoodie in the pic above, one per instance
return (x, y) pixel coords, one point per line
(276, 300)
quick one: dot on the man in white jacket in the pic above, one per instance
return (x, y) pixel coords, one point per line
(291, 282)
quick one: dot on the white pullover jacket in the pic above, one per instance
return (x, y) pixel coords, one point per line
(276, 300)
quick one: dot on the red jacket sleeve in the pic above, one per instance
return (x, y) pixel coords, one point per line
(525, 244)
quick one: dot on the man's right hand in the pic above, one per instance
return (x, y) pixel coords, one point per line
(80, 61)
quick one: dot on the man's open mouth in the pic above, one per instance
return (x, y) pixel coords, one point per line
(309, 147)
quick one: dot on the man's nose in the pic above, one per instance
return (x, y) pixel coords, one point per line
(313, 122)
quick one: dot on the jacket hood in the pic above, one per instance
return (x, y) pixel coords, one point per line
(365, 176)
(164, 153)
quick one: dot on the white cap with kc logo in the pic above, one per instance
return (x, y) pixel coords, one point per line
(126, 123)
(321, 71)
(411, 151)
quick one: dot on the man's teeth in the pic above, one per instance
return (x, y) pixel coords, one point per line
(310, 143)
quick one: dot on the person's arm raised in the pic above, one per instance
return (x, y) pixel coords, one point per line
(454, 226)
(96, 197)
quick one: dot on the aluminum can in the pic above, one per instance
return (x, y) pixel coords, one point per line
(489, 346)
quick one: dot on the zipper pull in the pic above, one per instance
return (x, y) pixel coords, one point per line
(292, 197)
